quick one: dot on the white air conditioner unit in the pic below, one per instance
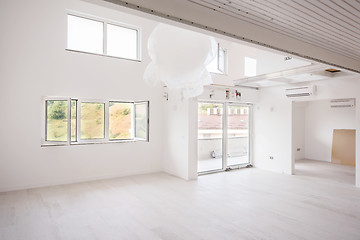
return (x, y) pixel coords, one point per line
(301, 91)
(342, 103)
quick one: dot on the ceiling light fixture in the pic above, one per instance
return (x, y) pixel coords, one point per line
(306, 77)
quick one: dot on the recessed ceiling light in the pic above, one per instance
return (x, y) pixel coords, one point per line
(268, 83)
(306, 77)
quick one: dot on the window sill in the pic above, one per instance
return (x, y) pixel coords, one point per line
(103, 55)
(90, 143)
(218, 73)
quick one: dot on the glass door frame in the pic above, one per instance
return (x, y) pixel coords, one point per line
(222, 138)
(224, 143)
(249, 106)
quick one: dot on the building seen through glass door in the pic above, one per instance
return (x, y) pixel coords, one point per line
(223, 136)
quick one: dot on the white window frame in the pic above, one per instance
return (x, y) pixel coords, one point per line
(105, 23)
(80, 141)
(78, 121)
(247, 60)
(146, 139)
(224, 137)
(132, 137)
(45, 142)
(220, 70)
(223, 52)
(76, 136)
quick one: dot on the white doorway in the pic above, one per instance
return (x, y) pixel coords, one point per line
(314, 128)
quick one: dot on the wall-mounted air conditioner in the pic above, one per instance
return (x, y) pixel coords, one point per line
(342, 103)
(301, 91)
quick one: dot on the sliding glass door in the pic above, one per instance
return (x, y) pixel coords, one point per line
(237, 135)
(210, 137)
(223, 136)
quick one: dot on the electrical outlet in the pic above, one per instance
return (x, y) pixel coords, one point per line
(271, 157)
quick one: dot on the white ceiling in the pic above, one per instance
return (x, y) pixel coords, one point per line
(325, 31)
(330, 24)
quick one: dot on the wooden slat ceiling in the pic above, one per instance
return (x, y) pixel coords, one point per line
(330, 24)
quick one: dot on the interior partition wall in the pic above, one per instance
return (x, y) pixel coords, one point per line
(223, 136)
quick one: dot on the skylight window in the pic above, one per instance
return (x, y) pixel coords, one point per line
(250, 67)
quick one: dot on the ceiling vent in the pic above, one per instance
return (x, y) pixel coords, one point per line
(342, 103)
(305, 91)
(332, 70)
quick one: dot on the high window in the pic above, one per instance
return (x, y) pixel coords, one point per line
(80, 121)
(250, 67)
(99, 36)
(218, 64)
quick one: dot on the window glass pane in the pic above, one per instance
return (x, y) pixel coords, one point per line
(85, 35)
(56, 120)
(141, 120)
(119, 120)
(238, 135)
(210, 136)
(221, 61)
(210, 120)
(250, 67)
(73, 120)
(217, 65)
(213, 66)
(92, 120)
(121, 42)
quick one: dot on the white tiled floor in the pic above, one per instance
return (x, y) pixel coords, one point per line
(216, 163)
(320, 203)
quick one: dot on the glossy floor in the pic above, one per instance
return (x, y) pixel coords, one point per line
(320, 202)
(212, 164)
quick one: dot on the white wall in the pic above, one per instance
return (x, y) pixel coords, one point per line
(343, 88)
(34, 63)
(271, 100)
(266, 61)
(181, 127)
(320, 121)
(298, 124)
(313, 125)
(176, 145)
(273, 123)
(272, 136)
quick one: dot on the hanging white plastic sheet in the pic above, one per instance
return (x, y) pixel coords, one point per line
(179, 58)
